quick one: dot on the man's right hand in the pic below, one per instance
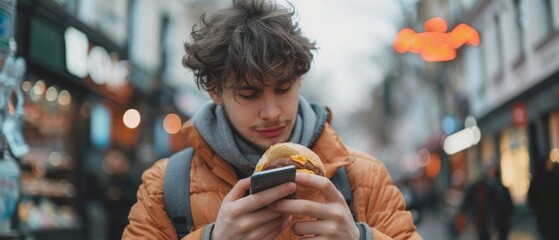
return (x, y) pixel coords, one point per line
(248, 217)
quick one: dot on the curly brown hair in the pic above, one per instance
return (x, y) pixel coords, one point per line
(250, 41)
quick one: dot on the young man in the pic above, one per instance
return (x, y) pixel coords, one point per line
(250, 58)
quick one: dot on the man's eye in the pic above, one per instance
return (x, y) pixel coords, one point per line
(283, 88)
(249, 95)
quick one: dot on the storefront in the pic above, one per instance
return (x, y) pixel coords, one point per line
(522, 136)
(58, 110)
(553, 124)
(515, 162)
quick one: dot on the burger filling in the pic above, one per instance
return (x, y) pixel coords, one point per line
(293, 160)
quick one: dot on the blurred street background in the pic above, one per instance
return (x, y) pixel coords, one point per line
(459, 98)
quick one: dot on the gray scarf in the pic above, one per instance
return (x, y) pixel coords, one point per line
(211, 121)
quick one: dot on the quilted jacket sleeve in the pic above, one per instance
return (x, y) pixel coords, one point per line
(147, 218)
(378, 202)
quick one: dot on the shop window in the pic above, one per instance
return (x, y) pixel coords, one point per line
(48, 184)
(554, 130)
(46, 45)
(553, 155)
(515, 163)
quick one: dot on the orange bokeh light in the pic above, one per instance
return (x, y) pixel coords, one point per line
(434, 166)
(172, 123)
(436, 45)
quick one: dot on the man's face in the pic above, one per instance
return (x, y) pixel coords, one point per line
(262, 115)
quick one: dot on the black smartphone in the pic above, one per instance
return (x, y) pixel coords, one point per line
(263, 180)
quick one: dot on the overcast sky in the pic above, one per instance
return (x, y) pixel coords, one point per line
(355, 40)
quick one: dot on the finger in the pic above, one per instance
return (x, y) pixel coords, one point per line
(247, 223)
(266, 197)
(262, 216)
(308, 208)
(273, 228)
(316, 228)
(314, 237)
(323, 184)
(324, 229)
(287, 222)
(274, 232)
(238, 191)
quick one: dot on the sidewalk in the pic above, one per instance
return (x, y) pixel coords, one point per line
(524, 225)
(438, 227)
(434, 227)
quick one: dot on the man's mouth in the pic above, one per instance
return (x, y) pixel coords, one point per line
(271, 132)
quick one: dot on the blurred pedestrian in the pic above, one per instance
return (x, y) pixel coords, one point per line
(488, 204)
(543, 197)
(250, 57)
(118, 191)
(505, 206)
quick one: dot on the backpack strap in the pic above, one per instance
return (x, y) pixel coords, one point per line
(176, 191)
(341, 181)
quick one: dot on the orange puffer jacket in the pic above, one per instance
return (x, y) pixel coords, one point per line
(376, 200)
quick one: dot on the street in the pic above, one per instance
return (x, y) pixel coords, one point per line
(437, 227)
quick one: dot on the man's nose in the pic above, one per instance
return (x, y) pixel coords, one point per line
(270, 109)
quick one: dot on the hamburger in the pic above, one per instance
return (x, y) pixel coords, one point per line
(304, 159)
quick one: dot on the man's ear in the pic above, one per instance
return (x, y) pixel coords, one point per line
(215, 97)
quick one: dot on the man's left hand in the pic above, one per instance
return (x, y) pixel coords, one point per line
(333, 217)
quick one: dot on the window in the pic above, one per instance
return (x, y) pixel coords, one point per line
(499, 45)
(107, 16)
(475, 74)
(46, 44)
(544, 18)
(520, 21)
(68, 5)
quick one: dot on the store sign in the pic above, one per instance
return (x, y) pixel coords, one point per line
(107, 69)
(463, 139)
(436, 44)
(76, 52)
(104, 68)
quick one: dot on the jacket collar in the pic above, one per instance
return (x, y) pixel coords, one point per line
(331, 150)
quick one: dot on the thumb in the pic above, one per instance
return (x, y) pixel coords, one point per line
(238, 191)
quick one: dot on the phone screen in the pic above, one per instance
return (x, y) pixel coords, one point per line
(272, 177)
